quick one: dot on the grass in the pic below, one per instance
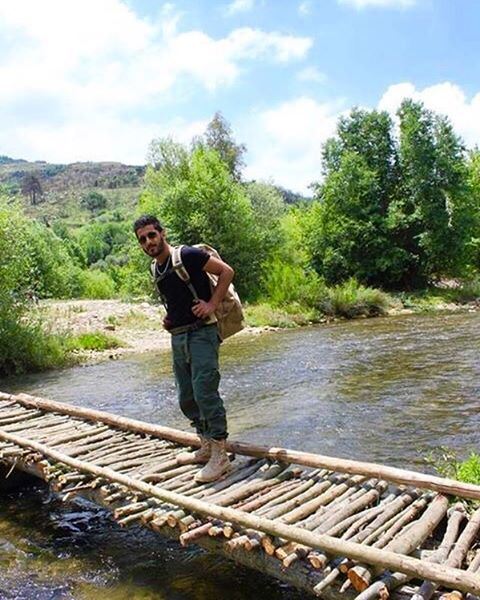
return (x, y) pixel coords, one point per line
(438, 297)
(96, 341)
(264, 315)
(446, 462)
(352, 300)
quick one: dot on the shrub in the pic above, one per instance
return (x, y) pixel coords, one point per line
(92, 341)
(96, 285)
(351, 299)
(24, 344)
(446, 462)
(285, 283)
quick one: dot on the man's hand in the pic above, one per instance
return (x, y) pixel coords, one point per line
(202, 309)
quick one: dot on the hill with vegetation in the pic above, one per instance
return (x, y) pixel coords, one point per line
(70, 192)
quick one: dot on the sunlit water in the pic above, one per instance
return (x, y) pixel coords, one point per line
(386, 390)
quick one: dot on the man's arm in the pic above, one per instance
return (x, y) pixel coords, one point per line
(225, 275)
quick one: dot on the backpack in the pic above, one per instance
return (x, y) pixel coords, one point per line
(229, 313)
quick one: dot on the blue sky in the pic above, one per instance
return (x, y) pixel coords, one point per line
(99, 79)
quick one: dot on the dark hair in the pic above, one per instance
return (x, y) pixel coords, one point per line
(145, 220)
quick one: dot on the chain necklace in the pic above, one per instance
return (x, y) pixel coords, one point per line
(161, 272)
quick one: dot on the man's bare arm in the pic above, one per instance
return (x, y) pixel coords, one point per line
(225, 274)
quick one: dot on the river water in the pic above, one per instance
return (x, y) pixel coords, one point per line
(386, 390)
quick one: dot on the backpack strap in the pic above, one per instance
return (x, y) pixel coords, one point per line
(181, 271)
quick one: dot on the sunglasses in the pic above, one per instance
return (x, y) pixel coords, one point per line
(151, 235)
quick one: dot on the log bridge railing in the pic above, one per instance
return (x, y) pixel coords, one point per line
(333, 527)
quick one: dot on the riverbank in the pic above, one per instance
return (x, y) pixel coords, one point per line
(110, 329)
(120, 328)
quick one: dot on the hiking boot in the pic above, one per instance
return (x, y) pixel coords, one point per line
(217, 465)
(201, 455)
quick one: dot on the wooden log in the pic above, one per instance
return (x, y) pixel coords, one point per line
(192, 536)
(363, 498)
(456, 556)
(390, 581)
(387, 559)
(383, 513)
(257, 502)
(401, 476)
(320, 495)
(406, 542)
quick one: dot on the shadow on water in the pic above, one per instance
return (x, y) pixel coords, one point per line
(386, 390)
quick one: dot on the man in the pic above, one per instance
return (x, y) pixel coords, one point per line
(195, 341)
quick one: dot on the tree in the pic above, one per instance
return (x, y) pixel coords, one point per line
(218, 136)
(392, 212)
(347, 227)
(32, 188)
(94, 201)
(474, 195)
(431, 218)
(198, 201)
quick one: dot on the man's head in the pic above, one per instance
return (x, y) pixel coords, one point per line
(150, 234)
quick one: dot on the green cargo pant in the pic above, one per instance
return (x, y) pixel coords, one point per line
(195, 364)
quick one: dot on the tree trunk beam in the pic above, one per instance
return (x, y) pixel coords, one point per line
(401, 476)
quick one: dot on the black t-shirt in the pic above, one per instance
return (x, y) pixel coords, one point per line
(175, 292)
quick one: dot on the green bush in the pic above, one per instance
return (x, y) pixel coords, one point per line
(24, 344)
(96, 285)
(469, 470)
(285, 283)
(351, 299)
(92, 341)
(446, 462)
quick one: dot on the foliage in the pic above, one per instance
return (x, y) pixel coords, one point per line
(94, 201)
(265, 315)
(53, 270)
(431, 218)
(25, 346)
(218, 137)
(351, 299)
(96, 285)
(101, 239)
(286, 283)
(196, 198)
(268, 209)
(447, 463)
(393, 212)
(96, 341)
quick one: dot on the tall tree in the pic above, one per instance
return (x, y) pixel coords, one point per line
(32, 188)
(431, 217)
(219, 137)
(198, 201)
(347, 232)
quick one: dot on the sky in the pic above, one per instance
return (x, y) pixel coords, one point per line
(98, 80)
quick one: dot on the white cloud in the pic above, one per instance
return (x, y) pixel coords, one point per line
(359, 4)
(79, 70)
(285, 142)
(311, 74)
(305, 8)
(238, 6)
(444, 98)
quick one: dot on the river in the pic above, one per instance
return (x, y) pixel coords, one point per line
(389, 390)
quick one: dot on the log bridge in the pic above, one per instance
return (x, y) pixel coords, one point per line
(333, 527)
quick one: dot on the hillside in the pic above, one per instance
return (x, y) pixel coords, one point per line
(62, 191)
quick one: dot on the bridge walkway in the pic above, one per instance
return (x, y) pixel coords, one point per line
(333, 527)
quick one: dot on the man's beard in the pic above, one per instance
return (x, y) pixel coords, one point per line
(157, 250)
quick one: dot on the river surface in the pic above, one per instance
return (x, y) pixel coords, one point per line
(387, 390)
